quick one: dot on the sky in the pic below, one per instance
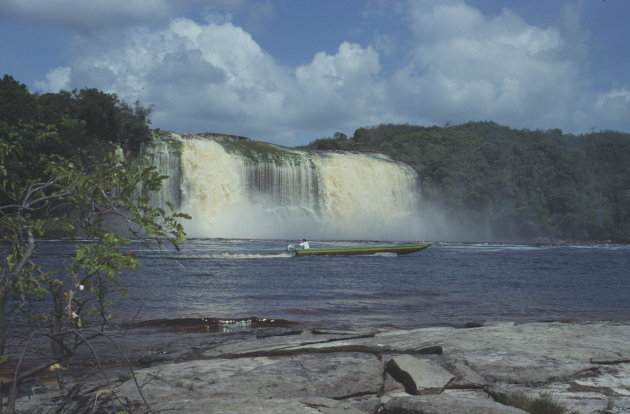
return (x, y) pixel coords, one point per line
(291, 71)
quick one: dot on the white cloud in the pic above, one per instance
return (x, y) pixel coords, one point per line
(342, 91)
(215, 77)
(385, 44)
(441, 20)
(612, 109)
(457, 65)
(56, 80)
(86, 16)
(466, 66)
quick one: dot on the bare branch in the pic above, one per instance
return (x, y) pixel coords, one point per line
(24, 259)
(133, 374)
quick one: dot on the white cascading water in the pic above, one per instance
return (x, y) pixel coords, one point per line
(313, 195)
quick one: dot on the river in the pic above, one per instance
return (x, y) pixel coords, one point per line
(446, 284)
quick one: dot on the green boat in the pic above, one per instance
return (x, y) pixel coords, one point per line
(362, 250)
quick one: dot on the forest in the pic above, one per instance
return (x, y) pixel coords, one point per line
(509, 184)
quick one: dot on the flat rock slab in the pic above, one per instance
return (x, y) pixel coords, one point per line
(419, 376)
(465, 376)
(582, 365)
(527, 353)
(333, 376)
(445, 404)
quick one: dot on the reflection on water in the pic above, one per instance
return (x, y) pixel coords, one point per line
(207, 325)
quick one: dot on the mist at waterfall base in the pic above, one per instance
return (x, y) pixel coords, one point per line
(291, 194)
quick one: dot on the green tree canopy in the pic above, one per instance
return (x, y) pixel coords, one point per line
(520, 184)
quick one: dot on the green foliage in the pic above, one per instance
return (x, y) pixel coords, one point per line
(160, 137)
(60, 171)
(520, 184)
(62, 122)
(256, 151)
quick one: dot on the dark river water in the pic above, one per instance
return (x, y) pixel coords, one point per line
(446, 284)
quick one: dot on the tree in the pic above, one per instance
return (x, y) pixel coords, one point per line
(512, 184)
(108, 119)
(16, 103)
(340, 136)
(44, 188)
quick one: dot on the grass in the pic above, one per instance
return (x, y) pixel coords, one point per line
(182, 384)
(256, 151)
(164, 137)
(544, 404)
(122, 377)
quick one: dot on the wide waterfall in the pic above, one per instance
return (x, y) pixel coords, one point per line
(237, 188)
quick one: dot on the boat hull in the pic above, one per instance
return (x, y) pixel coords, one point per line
(364, 251)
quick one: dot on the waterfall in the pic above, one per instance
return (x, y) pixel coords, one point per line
(237, 188)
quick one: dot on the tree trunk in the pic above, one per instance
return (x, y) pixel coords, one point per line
(56, 326)
(3, 322)
(3, 338)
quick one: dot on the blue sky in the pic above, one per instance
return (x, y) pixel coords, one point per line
(291, 71)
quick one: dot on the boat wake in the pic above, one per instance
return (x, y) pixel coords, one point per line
(218, 256)
(251, 256)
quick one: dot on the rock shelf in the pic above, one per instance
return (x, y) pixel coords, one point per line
(584, 367)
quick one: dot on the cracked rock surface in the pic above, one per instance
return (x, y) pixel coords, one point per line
(583, 366)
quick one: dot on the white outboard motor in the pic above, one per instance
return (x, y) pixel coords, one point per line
(291, 249)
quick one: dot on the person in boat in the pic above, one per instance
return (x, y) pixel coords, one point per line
(304, 244)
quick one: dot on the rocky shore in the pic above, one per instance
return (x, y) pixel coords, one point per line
(581, 367)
